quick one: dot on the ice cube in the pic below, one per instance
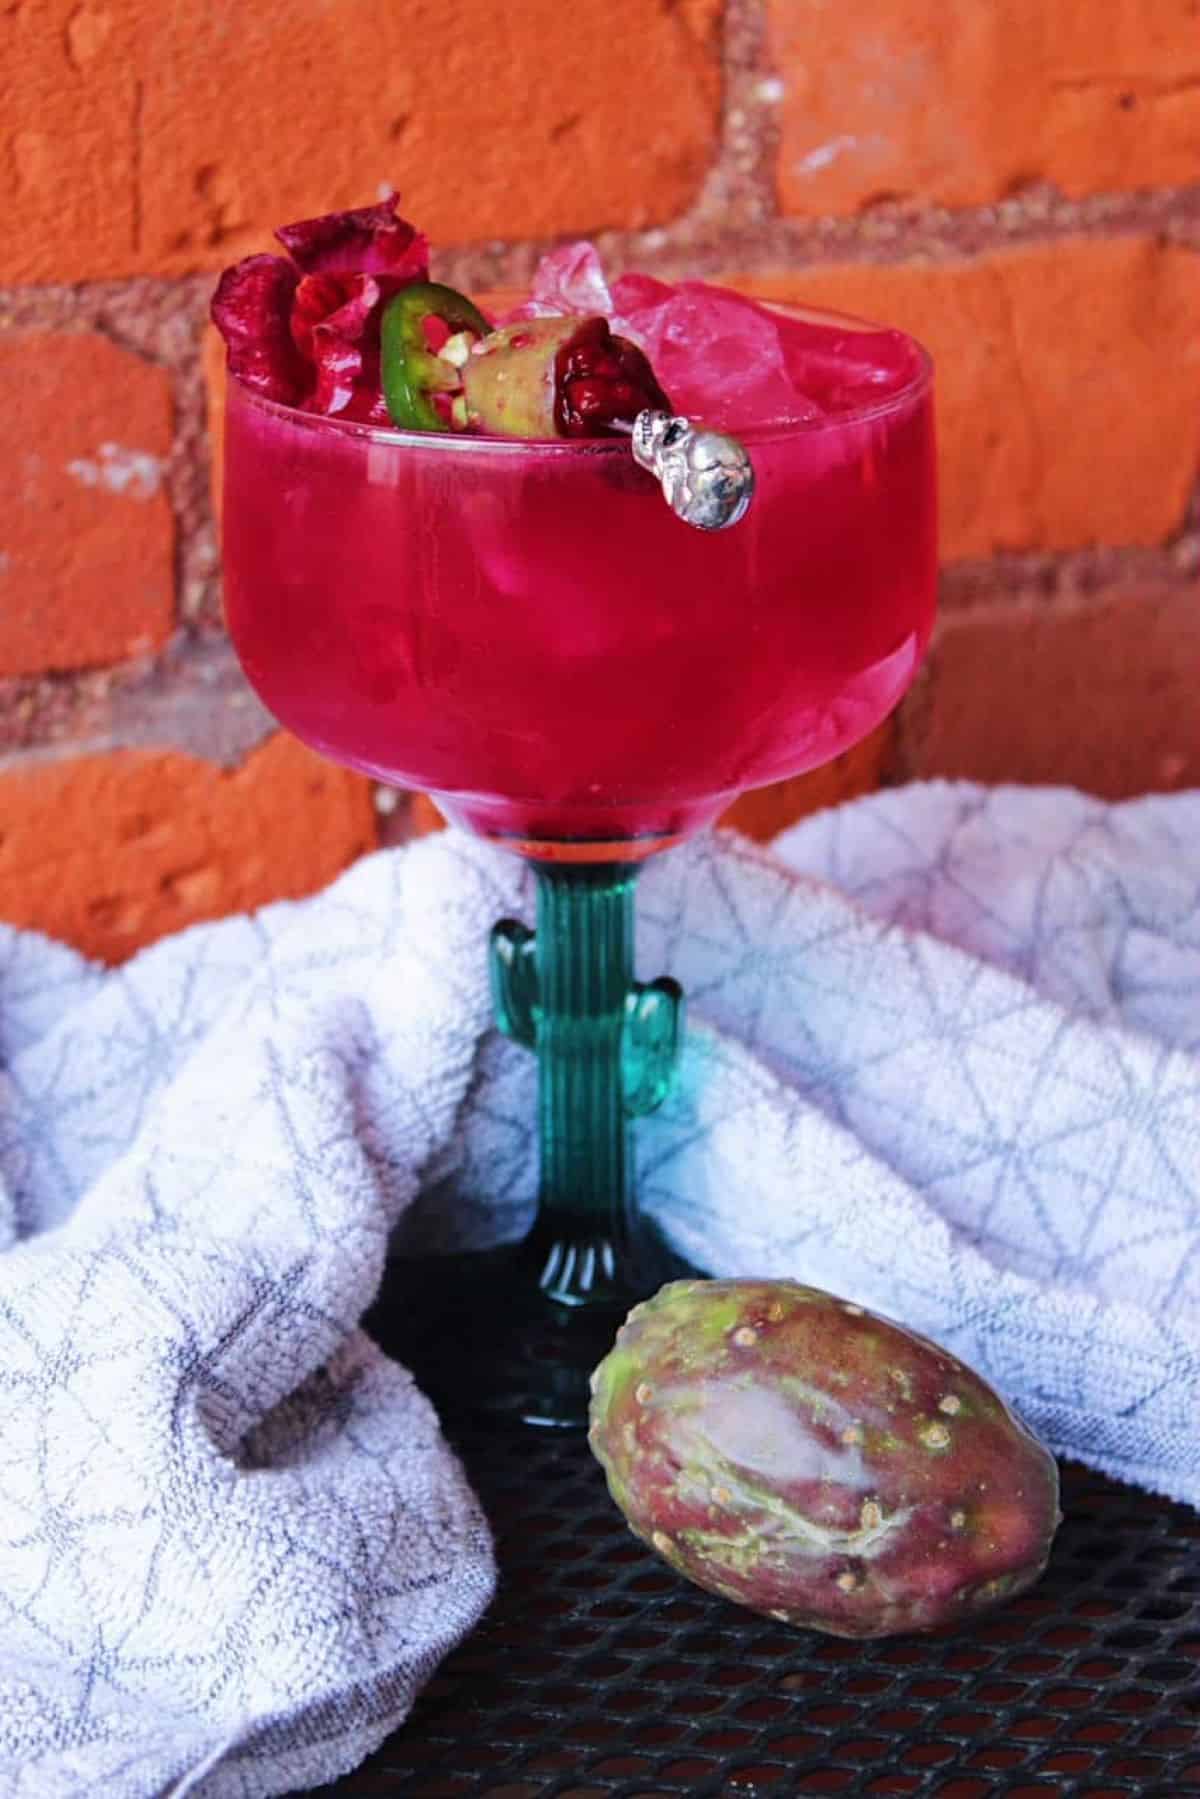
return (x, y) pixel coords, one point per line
(844, 364)
(718, 354)
(570, 279)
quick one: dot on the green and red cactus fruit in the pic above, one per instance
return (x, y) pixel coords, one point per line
(800, 1456)
(558, 377)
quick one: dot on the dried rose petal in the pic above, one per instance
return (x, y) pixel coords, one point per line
(367, 405)
(306, 332)
(368, 241)
(335, 342)
(250, 309)
(336, 322)
(338, 370)
(318, 297)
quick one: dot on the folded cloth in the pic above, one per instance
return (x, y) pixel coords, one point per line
(944, 1058)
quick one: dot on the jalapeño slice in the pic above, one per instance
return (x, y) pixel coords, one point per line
(411, 372)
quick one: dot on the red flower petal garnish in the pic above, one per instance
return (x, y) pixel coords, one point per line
(336, 321)
(342, 302)
(306, 332)
(250, 309)
(370, 241)
(367, 405)
(339, 368)
(335, 342)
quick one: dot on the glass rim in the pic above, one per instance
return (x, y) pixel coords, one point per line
(321, 423)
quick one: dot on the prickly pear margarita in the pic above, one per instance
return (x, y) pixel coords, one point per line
(460, 556)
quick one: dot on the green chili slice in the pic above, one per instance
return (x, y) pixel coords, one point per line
(411, 372)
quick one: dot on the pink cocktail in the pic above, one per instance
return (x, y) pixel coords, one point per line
(526, 631)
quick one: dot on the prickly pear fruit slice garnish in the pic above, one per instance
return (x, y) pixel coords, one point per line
(807, 1459)
(558, 377)
(425, 339)
(602, 382)
(508, 380)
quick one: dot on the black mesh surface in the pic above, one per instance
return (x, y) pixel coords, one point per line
(600, 1673)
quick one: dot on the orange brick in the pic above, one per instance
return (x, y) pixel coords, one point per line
(963, 101)
(1068, 383)
(110, 852)
(424, 817)
(85, 529)
(143, 137)
(212, 366)
(1100, 695)
(73, 104)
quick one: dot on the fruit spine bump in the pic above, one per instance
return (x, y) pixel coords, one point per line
(805, 1458)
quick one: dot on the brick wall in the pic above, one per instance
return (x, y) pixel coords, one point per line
(1016, 181)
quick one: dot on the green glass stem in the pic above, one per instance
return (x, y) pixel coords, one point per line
(606, 1047)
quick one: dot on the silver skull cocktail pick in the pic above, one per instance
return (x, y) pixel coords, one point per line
(706, 476)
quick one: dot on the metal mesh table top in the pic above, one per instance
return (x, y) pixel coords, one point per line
(601, 1674)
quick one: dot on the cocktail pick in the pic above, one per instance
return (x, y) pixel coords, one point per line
(706, 476)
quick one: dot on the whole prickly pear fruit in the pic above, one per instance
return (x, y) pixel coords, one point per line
(800, 1456)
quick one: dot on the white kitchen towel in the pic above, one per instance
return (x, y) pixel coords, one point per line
(944, 1058)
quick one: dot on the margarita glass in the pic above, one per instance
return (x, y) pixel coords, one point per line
(525, 630)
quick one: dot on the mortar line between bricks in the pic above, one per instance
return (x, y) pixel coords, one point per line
(740, 178)
(1068, 582)
(192, 696)
(885, 235)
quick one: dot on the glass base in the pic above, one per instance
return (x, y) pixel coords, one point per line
(482, 1338)
(581, 832)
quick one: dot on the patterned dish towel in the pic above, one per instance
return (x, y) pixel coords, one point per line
(944, 1059)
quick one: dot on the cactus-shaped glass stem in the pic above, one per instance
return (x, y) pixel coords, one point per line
(606, 1047)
